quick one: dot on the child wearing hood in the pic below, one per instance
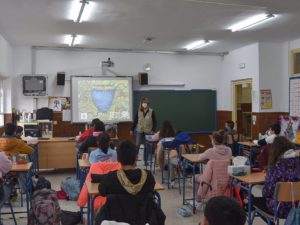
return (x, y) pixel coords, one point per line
(219, 151)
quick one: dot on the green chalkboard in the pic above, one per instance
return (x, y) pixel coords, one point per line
(192, 111)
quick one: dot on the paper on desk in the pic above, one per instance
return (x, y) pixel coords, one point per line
(66, 115)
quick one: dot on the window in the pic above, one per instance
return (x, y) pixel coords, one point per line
(1, 104)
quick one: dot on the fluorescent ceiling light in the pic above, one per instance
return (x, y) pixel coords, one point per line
(73, 40)
(197, 44)
(81, 10)
(250, 22)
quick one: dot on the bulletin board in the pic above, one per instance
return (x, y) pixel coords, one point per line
(294, 97)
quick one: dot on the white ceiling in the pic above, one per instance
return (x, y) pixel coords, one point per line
(123, 24)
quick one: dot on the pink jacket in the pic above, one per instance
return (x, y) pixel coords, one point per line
(96, 168)
(217, 152)
(5, 164)
(215, 174)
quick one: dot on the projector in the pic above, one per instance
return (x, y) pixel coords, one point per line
(108, 63)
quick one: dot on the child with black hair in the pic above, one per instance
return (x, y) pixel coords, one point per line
(19, 132)
(223, 210)
(103, 153)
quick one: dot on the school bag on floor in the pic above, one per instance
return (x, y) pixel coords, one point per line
(45, 208)
(72, 187)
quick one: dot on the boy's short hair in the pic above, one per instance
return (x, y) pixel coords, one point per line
(19, 129)
(10, 129)
(99, 126)
(127, 153)
(224, 210)
(230, 124)
(276, 128)
(94, 121)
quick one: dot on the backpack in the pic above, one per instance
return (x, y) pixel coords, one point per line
(45, 208)
(293, 217)
(70, 218)
(41, 183)
(72, 187)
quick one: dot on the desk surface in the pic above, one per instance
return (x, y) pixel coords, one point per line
(21, 167)
(84, 163)
(56, 139)
(93, 187)
(252, 178)
(194, 158)
(248, 143)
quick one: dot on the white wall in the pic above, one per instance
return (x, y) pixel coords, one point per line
(273, 74)
(6, 71)
(249, 55)
(196, 72)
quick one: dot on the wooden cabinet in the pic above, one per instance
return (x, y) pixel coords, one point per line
(57, 153)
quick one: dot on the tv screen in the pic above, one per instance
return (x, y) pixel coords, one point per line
(34, 85)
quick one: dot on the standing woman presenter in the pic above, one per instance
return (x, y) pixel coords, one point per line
(144, 122)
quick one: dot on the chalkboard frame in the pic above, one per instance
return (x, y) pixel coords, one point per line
(192, 91)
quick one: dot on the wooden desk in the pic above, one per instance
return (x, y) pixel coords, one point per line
(252, 178)
(93, 193)
(21, 167)
(191, 160)
(57, 153)
(194, 158)
(84, 163)
(93, 187)
(246, 183)
(248, 143)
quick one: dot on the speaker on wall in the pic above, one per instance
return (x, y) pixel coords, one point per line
(61, 78)
(143, 78)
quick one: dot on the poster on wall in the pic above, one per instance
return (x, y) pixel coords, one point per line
(266, 99)
(295, 96)
(58, 104)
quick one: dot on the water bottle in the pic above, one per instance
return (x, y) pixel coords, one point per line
(14, 159)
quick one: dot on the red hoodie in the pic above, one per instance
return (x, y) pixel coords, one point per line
(85, 134)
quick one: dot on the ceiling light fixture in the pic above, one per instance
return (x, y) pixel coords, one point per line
(197, 44)
(250, 22)
(73, 40)
(81, 10)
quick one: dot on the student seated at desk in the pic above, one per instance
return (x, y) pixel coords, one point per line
(229, 129)
(223, 210)
(264, 155)
(19, 132)
(11, 145)
(271, 133)
(128, 183)
(91, 141)
(167, 131)
(283, 166)
(103, 153)
(89, 131)
(219, 151)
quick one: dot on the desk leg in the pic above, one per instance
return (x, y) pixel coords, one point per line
(89, 210)
(184, 176)
(92, 210)
(194, 197)
(169, 168)
(162, 165)
(250, 204)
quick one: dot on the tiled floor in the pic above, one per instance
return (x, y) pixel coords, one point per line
(171, 200)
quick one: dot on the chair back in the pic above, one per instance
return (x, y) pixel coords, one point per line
(287, 191)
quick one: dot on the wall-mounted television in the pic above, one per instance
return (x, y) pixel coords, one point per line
(34, 85)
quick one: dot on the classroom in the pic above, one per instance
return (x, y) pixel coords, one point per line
(225, 77)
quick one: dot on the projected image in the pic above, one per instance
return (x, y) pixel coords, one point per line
(108, 100)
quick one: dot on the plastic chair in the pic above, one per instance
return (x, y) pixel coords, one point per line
(6, 201)
(284, 192)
